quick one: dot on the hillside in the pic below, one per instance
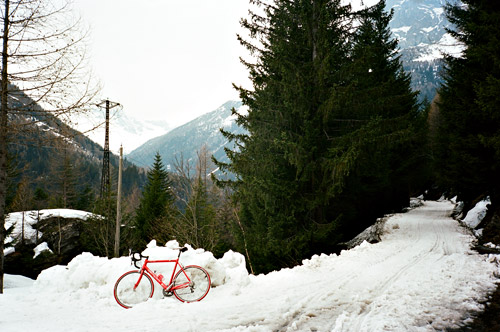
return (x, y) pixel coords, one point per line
(184, 141)
(49, 154)
(422, 276)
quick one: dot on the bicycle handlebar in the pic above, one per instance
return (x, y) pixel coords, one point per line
(136, 257)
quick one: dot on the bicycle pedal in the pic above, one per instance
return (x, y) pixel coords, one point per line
(167, 293)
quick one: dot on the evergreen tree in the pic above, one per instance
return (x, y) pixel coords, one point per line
(469, 121)
(302, 49)
(13, 172)
(86, 199)
(40, 198)
(153, 207)
(23, 201)
(200, 215)
(378, 148)
(311, 126)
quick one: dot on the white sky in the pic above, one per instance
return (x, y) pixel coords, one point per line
(166, 60)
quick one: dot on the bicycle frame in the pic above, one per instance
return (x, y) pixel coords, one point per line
(187, 283)
(169, 287)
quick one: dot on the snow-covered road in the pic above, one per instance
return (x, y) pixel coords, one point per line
(422, 276)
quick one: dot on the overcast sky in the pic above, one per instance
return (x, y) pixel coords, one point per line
(168, 60)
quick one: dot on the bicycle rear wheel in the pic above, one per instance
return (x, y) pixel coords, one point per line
(126, 295)
(196, 287)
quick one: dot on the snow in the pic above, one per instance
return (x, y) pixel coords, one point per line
(429, 29)
(439, 11)
(446, 45)
(41, 248)
(477, 213)
(404, 29)
(422, 276)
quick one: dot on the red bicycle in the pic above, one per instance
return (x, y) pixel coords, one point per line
(189, 284)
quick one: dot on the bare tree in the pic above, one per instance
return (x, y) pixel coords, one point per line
(22, 202)
(43, 72)
(196, 222)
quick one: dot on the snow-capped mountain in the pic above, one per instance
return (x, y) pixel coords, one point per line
(418, 23)
(184, 141)
(124, 129)
(420, 28)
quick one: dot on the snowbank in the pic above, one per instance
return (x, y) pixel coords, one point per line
(89, 275)
(15, 281)
(477, 213)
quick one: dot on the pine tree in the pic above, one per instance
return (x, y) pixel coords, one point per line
(315, 117)
(156, 198)
(377, 151)
(302, 49)
(469, 121)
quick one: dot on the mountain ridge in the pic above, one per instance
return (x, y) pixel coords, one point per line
(184, 141)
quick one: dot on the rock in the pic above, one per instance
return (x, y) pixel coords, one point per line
(62, 235)
(371, 235)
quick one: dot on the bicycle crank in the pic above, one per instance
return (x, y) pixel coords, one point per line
(167, 293)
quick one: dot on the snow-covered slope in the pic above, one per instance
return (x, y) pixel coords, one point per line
(124, 129)
(186, 140)
(422, 276)
(420, 28)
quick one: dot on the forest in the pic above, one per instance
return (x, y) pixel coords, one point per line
(335, 138)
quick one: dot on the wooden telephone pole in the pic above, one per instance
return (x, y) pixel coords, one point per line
(118, 206)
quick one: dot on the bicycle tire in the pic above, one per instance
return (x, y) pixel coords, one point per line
(124, 291)
(199, 286)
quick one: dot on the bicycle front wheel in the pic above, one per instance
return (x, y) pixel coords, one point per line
(194, 282)
(126, 295)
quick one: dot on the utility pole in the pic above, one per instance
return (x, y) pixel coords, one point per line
(105, 177)
(118, 205)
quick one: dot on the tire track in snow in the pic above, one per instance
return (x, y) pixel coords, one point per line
(419, 245)
(422, 235)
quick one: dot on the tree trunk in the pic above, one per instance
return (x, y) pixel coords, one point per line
(3, 138)
(60, 237)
